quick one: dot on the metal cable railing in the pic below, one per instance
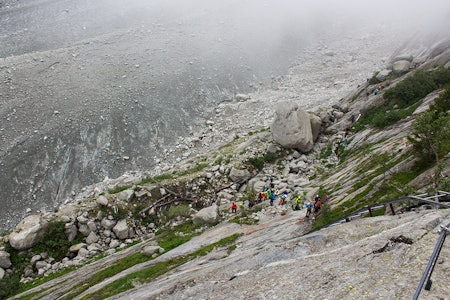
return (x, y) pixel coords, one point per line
(432, 262)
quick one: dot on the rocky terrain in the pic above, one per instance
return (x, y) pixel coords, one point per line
(87, 95)
(222, 148)
(372, 258)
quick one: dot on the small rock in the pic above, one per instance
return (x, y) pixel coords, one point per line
(150, 250)
(102, 200)
(5, 261)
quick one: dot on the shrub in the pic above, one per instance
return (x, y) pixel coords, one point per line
(55, 241)
(430, 135)
(417, 86)
(373, 79)
(412, 89)
(9, 285)
(270, 157)
(257, 162)
(442, 103)
(383, 116)
(326, 152)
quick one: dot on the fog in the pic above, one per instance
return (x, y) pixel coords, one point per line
(257, 25)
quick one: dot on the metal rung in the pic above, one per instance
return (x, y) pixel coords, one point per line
(445, 228)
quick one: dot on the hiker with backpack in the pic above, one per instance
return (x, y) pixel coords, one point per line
(309, 207)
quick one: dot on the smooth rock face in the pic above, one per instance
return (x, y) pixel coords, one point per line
(292, 127)
(28, 232)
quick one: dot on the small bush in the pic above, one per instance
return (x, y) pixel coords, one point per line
(55, 241)
(270, 157)
(417, 86)
(172, 238)
(218, 160)
(9, 285)
(442, 103)
(326, 152)
(257, 162)
(373, 79)
(411, 89)
(119, 213)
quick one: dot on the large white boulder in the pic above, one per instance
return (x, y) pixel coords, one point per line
(401, 66)
(28, 232)
(207, 216)
(294, 128)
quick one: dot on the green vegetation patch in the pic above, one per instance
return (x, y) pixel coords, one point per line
(404, 98)
(169, 238)
(259, 161)
(154, 271)
(119, 266)
(326, 152)
(119, 189)
(415, 87)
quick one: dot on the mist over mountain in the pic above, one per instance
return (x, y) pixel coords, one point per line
(91, 89)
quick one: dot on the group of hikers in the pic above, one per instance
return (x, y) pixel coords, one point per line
(269, 192)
